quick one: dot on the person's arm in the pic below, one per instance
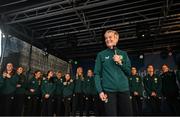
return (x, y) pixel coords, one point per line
(52, 89)
(14, 80)
(146, 87)
(98, 72)
(141, 87)
(84, 86)
(72, 85)
(130, 85)
(159, 87)
(43, 88)
(1, 81)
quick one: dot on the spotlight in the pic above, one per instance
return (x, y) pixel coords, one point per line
(170, 53)
(141, 56)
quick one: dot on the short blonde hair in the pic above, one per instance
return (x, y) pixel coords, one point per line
(113, 31)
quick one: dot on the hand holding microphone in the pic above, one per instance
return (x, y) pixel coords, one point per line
(116, 57)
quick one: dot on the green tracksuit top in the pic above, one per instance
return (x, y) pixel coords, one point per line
(68, 87)
(1, 83)
(9, 85)
(48, 86)
(110, 76)
(22, 81)
(135, 84)
(59, 86)
(89, 86)
(78, 82)
(35, 84)
(169, 85)
(152, 83)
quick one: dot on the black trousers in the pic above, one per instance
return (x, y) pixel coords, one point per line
(19, 104)
(137, 105)
(47, 106)
(78, 103)
(67, 105)
(153, 105)
(174, 105)
(7, 105)
(98, 106)
(89, 104)
(118, 104)
(59, 105)
(1, 105)
(32, 105)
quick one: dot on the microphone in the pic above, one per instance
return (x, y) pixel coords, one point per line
(115, 51)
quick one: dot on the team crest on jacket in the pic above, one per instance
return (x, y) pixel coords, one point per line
(137, 79)
(121, 57)
(106, 57)
(155, 79)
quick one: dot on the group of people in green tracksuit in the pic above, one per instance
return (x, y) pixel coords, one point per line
(53, 94)
(153, 90)
(114, 89)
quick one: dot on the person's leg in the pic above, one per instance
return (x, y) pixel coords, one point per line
(67, 105)
(174, 105)
(9, 105)
(59, 106)
(74, 103)
(81, 103)
(124, 104)
(1, 105)
(50, 106)
(139, 102)
(155, 104)
(18, 104)
(111, 105)
(44, 108)
(134, 105)
(28, 106)
(86, 104)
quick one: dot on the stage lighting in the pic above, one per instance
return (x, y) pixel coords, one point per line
(170, 53)
(141, 56)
